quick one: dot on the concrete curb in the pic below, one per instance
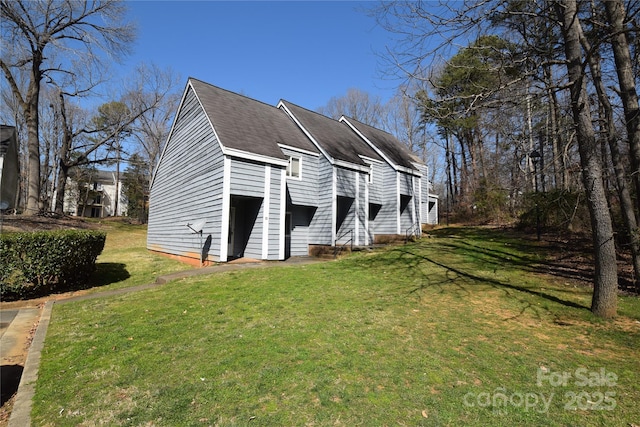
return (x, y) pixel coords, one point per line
(21, 412)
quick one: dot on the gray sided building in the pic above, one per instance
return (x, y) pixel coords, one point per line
(241, 178)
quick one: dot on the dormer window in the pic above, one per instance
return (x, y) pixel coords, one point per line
(294, 167)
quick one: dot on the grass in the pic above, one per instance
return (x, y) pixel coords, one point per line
(126, 262)
(430, 333)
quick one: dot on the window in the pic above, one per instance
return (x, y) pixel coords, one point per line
(293, 168)
(370, 174)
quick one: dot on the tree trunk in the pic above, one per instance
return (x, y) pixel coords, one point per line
(552, 133)
(604, 301)
(65, 149)
(626, 203)
(33, 141)
(63, 173)
(615, 15)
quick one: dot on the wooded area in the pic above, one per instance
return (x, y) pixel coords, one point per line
(525, 111)
(537, 105)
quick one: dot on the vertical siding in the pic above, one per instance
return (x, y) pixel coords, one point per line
(187, 186)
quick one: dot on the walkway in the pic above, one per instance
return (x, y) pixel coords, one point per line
(17, 324)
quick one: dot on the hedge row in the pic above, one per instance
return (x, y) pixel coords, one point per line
(39, 263)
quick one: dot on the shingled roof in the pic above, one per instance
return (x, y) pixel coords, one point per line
(340, 142)
(249, 125)
(388, 144)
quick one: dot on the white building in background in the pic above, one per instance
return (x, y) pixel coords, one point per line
(9, 168)
(96, 199)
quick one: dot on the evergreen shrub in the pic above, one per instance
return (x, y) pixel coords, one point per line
(38, 263)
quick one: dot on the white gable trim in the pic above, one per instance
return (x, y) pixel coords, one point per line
(334, 162)
(207, 116)
(282, 106)
(352, 166)
(370, 160)
(299, 150)
(398, 168)
(234, 152)
(173, 125)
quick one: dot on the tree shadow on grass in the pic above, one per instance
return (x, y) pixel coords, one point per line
(493, 282)
(416, 263)
(571, 260)
(109, 272)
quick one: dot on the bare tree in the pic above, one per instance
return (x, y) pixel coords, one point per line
(152, 128)
(604, 301)
(618, 29)
(545, 37)
(612, 138)
(99, 139)
(356, 104)
(36, 31)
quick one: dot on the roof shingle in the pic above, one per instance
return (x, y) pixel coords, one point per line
(390, 146)
(249, 125)
(340, 142)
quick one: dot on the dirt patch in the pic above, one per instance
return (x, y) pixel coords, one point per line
(13, 223)
(572, 257)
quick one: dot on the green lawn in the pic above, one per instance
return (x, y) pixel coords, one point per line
(458, 329)
(126, 262)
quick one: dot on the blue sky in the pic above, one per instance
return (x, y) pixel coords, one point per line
(304, 52)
